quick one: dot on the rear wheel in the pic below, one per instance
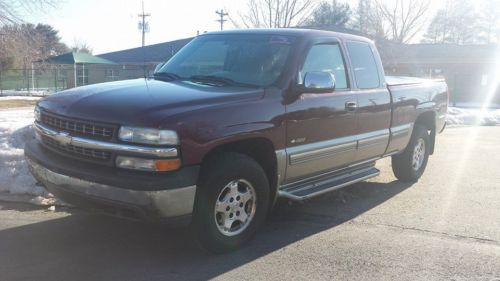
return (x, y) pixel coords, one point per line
(231, 202)
(410, 165)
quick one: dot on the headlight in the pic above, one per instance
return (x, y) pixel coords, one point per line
(153, 165)
(148, 136)
(38, 116)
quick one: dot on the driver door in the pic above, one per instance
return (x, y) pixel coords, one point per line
(321, 128)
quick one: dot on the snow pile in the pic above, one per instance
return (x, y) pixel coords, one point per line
(18, 98)
(15, 130)
(24, 92)
(472, 116)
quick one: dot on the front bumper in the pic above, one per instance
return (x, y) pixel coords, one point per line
(169, 204)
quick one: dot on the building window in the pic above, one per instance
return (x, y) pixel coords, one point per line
(112, 74)
(82, 76)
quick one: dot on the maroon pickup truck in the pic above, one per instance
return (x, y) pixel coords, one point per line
(232, 122)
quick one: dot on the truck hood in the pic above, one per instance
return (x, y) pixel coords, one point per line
(141, 102)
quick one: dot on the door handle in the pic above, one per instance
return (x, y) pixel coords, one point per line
(351, 106)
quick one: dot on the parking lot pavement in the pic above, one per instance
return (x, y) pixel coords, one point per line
(445, 227)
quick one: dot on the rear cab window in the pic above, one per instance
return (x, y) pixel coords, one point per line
(364, 66)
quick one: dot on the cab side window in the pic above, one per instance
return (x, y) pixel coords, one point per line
(328, 58)
(364, 65)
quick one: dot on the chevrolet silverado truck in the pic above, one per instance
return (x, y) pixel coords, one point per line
(232, 122)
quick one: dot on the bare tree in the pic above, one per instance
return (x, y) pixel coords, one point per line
(11, 10)
(456, 23)
(404, 18)
(490, 21)
(81, 47)
(275, 13)
(368, 20)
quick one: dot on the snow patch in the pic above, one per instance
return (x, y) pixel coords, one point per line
(18, 98)
(37, 92)
(15, 130)
(472, 116)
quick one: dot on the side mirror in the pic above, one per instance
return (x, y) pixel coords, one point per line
(158, 67)
(319, 82)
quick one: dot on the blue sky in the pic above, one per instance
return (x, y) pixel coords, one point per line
(111, 25)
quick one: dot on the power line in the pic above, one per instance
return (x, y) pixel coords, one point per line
(221, 20)
(143, 25)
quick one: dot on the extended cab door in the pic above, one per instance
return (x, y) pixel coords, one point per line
(321, 128)
(374, 100)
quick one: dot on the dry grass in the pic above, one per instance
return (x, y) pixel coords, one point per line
(16, 103)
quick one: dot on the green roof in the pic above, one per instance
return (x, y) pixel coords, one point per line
(83, 58)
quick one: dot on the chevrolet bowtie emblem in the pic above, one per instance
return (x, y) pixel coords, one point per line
(63, 138)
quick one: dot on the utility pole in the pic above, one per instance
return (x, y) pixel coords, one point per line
(1, 87)
(143, 25)
(221, 20)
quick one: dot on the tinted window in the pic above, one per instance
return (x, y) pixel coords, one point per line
(364, 65)
(326, 57)
(250, 59)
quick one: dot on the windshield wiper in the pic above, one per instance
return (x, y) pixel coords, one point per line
(220, 80)
(165, 76)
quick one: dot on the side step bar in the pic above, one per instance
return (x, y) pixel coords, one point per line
(309, 189)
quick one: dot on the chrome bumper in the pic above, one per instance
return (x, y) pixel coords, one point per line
(162, 204)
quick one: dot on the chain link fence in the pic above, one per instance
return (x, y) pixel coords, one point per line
(45, 81)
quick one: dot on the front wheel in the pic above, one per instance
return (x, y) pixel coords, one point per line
(410, 165)
(231, 202)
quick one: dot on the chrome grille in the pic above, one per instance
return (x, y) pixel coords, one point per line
(76, 150)
(75, 127)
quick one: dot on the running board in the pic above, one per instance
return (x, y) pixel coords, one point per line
(305, 190)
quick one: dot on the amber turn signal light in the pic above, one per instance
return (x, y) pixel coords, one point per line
(167, 165)
(152, 165)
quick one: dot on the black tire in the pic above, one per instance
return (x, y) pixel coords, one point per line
(216, 174)
(402, 164)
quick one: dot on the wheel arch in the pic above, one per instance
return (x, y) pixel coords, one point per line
(427, 119)
(260, 149)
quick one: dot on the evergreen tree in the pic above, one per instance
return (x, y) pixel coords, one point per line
(330, 14)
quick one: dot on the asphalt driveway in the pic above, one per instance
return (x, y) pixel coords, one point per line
(445, 227)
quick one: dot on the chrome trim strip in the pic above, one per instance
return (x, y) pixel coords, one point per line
(165, 203)
(281, 165)
(400, 137)
(318, 150)
(321, 153)
(401, 131)
(373, 138)
(65, 138)
(390, 154)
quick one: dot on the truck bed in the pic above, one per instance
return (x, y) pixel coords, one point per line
(412, 96)
(406, 80)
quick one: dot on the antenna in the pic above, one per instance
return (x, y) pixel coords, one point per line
(143, 25)
(221, 20)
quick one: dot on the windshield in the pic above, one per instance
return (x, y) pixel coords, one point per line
(256, 60)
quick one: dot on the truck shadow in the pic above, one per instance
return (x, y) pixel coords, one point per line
(92, 247)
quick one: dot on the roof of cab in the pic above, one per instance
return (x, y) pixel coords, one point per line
(298, 32)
